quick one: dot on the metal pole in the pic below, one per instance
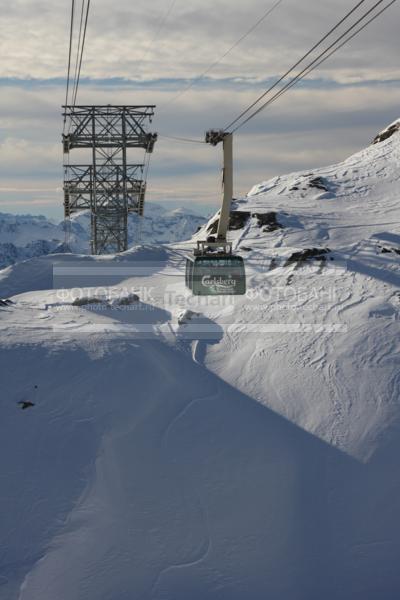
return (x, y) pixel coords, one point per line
(224, 218)
(93, 199)
(124, 183)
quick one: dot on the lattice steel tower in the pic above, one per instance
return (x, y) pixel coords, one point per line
(104, 181)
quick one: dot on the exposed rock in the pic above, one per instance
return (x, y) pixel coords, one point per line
(24, 404)
(301, 257)
(85, 300)
(387, 133)
(268, 220)
(238, 220)
(320, 183)
(385, 250)
(6, 302)
(213, 227)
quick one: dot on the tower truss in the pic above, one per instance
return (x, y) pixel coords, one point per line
(104, 180)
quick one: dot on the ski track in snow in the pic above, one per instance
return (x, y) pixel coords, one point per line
(206, 546)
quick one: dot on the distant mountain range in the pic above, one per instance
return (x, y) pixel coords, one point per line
(30, 236)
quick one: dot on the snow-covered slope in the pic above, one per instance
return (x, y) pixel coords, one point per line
(350, 211)
(28, 236)
(212, 449)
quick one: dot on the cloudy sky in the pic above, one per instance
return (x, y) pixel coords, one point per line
(141, 52)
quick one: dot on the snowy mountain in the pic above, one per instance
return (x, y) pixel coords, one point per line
(158, 225)
(154, 445)
(28, 236)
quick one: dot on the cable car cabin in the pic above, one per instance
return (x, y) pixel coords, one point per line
(216, 275)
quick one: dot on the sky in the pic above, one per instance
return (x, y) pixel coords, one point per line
(148, 53)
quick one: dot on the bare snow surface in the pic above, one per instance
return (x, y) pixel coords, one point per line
(214, 450)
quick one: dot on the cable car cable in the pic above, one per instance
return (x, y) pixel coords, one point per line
(311, 68)
(242, 114)
(317, 61)
(160, 27)
(82, 49)
(224, 55)
(181, 139)
(78, 49)
(69, 57)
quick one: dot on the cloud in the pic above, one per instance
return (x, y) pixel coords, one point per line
(121, 39)
(322, 121)
(306, 129)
